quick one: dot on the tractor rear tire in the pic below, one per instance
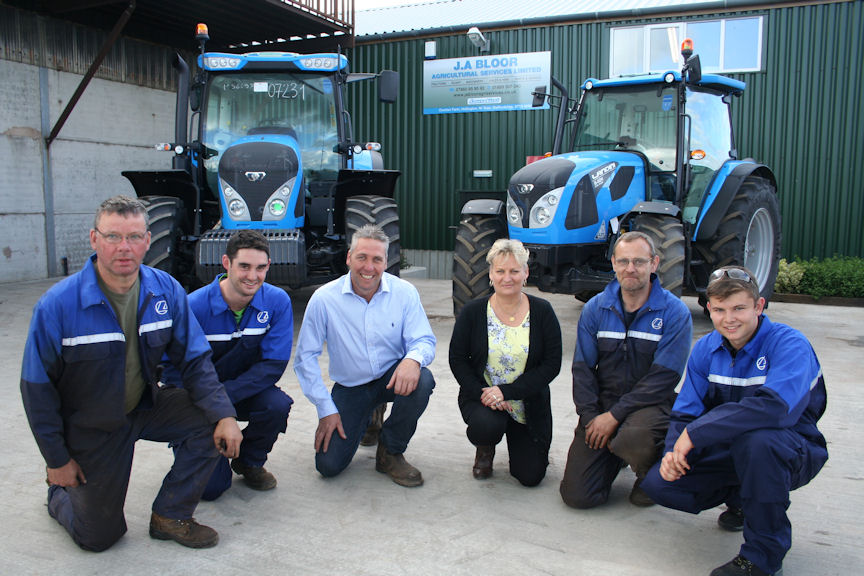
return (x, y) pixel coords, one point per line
(165, 214)
(474, 238)
(749, 235)
(380, 210)
(669, 241)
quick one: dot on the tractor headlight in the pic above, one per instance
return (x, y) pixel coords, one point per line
(221, 62)
(319, 63)
(544, 209)
(279, 201)
(277, 207)
(542, 215)
(514, 214)
(236, 208)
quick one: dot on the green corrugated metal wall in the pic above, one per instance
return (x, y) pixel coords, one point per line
(800, 116)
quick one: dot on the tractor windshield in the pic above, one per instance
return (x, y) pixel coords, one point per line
(272, 103)
(639, 118)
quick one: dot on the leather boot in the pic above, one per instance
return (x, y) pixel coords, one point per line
(395, 466)
(483, 462)
(370, 438)
(186, 532)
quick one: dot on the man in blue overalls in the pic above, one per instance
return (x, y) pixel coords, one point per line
(743, 429)
(250, 327)
(89, 384)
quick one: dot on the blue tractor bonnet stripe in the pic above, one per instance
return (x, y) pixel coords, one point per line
(94, 339)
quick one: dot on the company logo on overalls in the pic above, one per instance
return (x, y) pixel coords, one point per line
(161, 307)
(263, 317)
(761, 363)
(657, 323)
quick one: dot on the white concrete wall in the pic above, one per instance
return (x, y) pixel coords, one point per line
(112, 128)
(22, 212)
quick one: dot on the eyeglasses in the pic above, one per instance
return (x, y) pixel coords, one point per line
(733, 273)
(637, 262)
(132, 239)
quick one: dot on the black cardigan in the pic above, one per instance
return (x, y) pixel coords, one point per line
(469, 348)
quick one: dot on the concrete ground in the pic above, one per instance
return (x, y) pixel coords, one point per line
(362, 523)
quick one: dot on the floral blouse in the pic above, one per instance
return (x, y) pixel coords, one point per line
(508, 354)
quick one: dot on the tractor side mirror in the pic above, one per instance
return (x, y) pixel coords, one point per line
(195, 96)
(694, 69)
(388, 86)
(539, 94)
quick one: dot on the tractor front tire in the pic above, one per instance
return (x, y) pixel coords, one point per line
(474, 238)
(749, 235)
(669, 241)
(380, 210)
(165, 216)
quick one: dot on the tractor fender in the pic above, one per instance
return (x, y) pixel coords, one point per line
(658, 208)
(662, 208)
(483, 206)
(722, 191)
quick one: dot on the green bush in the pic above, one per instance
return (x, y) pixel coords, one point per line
(841, 276)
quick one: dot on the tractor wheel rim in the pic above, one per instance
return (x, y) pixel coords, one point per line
(759, 246)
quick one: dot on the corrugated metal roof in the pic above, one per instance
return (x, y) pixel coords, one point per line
(231, 23)
(442, 14)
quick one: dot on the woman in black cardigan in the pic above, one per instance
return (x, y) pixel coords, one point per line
(504, 352)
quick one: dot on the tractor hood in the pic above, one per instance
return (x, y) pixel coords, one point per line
(259, 182)
(570, 198)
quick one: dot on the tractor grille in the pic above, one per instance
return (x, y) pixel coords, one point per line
(256, 170)
(287, 255)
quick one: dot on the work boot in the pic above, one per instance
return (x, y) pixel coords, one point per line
(256, 477)
(638, 496)
(400, 471)
(732, 519)
(739, 566)
(483, 462)
(370, 438)
(186, 532)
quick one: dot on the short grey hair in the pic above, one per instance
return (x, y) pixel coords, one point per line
(632, 237)
(371, 232)
(124, 206)
(505, 247)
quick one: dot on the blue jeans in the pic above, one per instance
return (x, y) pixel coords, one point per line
(92, 513)
(355, 405)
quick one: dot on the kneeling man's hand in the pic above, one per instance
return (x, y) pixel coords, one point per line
(326, 426)
(405, 377)
(674, 464)
(228, 437)
(69, 475)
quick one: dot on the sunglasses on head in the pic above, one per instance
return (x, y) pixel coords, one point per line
(733, 273)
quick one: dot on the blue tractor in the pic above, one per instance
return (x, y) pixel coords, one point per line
(653, 153)
(272, 149)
